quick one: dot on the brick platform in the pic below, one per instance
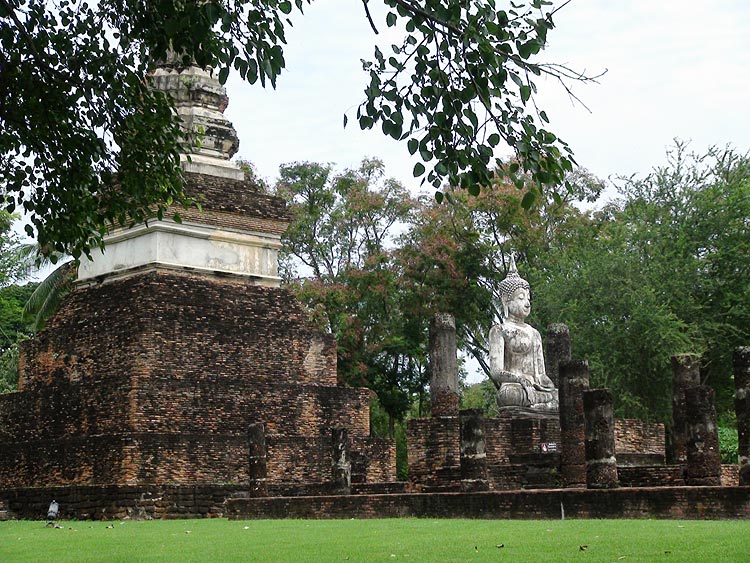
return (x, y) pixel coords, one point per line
(660, 502)
(154, 379)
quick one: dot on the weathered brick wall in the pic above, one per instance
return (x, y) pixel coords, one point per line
(65, 408)
(377, 458)
(181, 458)
(639, 437)
(155, 378)
(507, 477)
(69, 460)
(152, 458)
(513, 435)
(97, 336)
(730, 475)
(433, 449)
(120, 502)
(306, 410)
(169, 501)
(205, 328)
(669, 475)
(175, 325)
(661, 502)
(239, 197)
(498, 442)
(230, 221)
(651, 476)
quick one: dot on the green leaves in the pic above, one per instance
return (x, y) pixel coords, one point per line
(461, 79)
(223, 75)
(455, 87)
(285, 7)
(84, 143)
(528, 200)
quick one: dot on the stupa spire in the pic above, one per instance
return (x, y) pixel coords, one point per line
(200, 100)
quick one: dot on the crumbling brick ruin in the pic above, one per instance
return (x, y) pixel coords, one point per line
(543, 451)
(178, 361)
(155, 378)
(179, 379)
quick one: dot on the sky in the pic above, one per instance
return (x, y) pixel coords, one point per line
(674, 69)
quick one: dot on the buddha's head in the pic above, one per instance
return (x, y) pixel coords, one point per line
(515, 294)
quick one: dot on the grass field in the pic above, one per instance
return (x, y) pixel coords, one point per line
(396, 540)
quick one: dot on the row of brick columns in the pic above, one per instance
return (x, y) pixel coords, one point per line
(587, 430)
(586, 418)
(587, 425)
(741, 365)
(695, 441)
(587, 457)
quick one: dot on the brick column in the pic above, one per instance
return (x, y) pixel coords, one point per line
(685, 374)
(341, 467)
(703, 459)
(443, 366)
(574, 380)
(473, 456)
(741, 363)
(258, 468)
(557, 350)
(601, 466)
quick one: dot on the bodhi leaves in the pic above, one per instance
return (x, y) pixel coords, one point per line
(462, 82)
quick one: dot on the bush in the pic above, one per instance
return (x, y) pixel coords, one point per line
(728, 444)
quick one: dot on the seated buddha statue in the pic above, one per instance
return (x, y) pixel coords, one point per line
(516, 356)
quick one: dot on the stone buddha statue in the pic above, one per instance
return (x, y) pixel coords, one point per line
(516, 356)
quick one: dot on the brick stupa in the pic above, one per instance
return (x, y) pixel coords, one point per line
(176, 340)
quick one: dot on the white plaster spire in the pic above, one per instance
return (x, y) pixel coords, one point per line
(221, 242)
(200, 101)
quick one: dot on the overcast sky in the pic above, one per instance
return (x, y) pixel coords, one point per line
(675, 68)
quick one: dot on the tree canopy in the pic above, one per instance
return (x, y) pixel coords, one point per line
(660, 270)
(85, 143)
(14, 266)
(374, 264)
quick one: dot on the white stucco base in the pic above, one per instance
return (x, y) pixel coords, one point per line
(186, 246)
(211, 166)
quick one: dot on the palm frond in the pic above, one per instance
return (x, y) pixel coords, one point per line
(31, 259)
(48, 294)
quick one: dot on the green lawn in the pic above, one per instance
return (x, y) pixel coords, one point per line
(328, 541)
